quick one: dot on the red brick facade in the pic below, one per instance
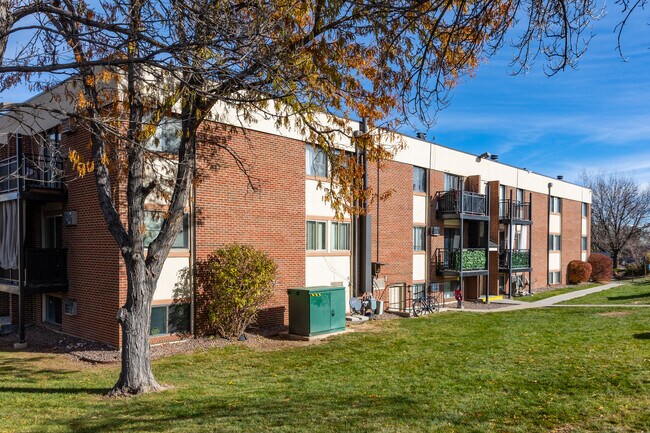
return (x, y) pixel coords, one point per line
(270, 217)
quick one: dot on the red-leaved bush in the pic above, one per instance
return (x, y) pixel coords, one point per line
(578, 272)
(601, 267)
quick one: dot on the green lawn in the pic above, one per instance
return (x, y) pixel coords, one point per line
(543, 295)
(562, 370)
(634, 293)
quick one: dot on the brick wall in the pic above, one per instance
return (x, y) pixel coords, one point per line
(271, 219)
(92, 257)
(395, 222)
(571, 233)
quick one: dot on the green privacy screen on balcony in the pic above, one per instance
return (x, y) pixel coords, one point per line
(520, 259)
(473, 260)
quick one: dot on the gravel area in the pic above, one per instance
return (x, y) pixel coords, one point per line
(41, 339)
(476, 305)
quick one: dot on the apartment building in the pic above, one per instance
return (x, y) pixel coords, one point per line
(454, 220)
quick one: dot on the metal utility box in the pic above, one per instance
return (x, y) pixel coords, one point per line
(316, 310)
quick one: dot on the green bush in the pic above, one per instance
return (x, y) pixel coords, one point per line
(578, 272)
(237, 281)
(601, 267)
(634, 270)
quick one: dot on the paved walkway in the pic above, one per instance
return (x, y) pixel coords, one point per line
(549, 302)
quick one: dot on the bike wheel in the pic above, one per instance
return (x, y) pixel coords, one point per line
(435, 305)
(418, 307)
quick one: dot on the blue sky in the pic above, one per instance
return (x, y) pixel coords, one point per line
(596, 116)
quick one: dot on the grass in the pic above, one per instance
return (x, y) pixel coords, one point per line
(578, 370)
(551, 293)
(634, 293)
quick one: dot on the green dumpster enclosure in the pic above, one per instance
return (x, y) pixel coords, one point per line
(316, 310)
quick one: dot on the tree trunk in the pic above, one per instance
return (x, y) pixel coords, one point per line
(134, 317)
(615, 258)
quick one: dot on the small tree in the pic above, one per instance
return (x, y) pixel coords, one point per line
(578, 272)
(237, 280)
(601, 267)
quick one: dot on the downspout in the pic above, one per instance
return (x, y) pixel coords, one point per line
(530, 244)
(193, 255)
(548, 231)
(21, 251)
(510, 246)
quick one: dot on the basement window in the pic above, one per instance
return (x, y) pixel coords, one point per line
(170, 319)
(554, 277)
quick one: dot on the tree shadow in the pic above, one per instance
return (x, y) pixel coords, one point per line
(642, 336)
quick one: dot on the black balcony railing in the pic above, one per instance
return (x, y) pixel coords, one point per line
(33, 172)
(520, 210)
(520, 259)
(473, 259)
(461, 202)
(44, 268)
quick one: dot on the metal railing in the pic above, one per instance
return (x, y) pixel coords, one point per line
(43, 267)
(46, 266)
(34, 171)
(473, 259)
(457, 202)
(520, 259)
(520, 210)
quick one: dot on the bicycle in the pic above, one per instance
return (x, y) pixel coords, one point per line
(425, 304)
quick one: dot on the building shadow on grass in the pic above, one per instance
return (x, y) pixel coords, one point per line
(629, 297)
(32, 390)
(642, 336)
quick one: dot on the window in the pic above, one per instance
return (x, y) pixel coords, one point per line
(418, 238)
(316, 161)
(153, 223)
(583, 243)
(340, 236)
(167, 137)
(419, 179)
(316, 235)
(554, 277)
(520, 195)
(585, 210)
(556, 204)
(449, 287)
(418, 290)
(503, 205)
(53, 309)
(453, 182)
(554, 242)
(169, 319)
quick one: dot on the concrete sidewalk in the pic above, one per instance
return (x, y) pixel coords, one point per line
(548, 302)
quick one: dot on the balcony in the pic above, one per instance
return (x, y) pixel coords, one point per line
(472, 261)
(514, 210)
(46, 270)
(36, 177)
(457, 204)
(514, 259)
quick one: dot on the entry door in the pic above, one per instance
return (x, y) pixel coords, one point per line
(52, 232)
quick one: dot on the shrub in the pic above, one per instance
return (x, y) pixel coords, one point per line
(601, 267)
(578, 272)
(237, 280)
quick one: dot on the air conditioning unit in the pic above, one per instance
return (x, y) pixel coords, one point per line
(434, 231)
(70, 307)
(69, 125)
